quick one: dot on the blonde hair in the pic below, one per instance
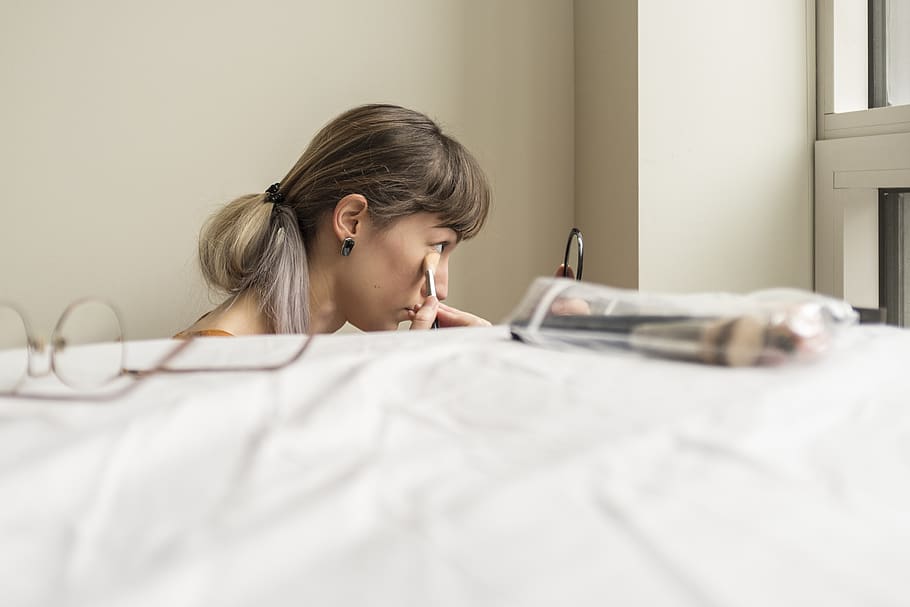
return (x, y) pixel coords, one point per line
(398, 159)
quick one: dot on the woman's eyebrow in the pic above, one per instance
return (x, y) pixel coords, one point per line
(449, 229)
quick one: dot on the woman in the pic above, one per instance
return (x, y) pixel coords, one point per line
(345, 235)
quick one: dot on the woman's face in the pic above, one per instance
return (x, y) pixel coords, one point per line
(384, 276)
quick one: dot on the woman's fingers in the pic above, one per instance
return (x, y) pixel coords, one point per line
(569, 306)
(424, 317)
(570, 273)
(447, 316)
(566, 306)
(453, 317)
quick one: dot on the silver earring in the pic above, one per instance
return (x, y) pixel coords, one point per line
(347, 246)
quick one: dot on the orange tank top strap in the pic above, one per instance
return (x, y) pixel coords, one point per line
(203, 333)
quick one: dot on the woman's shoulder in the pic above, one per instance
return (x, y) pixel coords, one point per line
(238, 315)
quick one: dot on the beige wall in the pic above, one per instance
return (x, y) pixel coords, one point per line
(694, 133)
(606, 139)
(726, 129)
(125, 124)
(519, 95)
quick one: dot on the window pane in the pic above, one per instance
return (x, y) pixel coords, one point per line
(850, 59)
(897, 51)
(889, 51)
(894, 255)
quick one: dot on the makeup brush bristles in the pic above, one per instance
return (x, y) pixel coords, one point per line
(431, 261)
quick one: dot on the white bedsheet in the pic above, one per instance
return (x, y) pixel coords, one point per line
(461, 468)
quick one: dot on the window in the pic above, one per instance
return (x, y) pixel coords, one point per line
(894, 255)
(863, 142)
(889, 53)
(863, 62)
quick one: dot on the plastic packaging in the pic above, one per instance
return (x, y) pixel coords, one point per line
(761, 328)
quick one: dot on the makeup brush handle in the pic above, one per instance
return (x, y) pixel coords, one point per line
(431, 291)
(431, 283)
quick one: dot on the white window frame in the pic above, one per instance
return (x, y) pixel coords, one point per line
(856, 153)
(831, 125)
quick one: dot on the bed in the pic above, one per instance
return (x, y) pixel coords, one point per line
(461, 467)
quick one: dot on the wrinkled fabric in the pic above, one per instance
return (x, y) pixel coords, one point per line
(458, 467)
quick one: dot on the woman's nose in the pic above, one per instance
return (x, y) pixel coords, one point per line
(442, 280)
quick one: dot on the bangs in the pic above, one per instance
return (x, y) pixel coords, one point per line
(402, 163)
(457, 190)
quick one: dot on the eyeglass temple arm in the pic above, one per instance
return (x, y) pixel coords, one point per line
(161, 367)
(139, 373)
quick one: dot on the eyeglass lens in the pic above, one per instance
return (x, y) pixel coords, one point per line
(13, 348)
(88, 347)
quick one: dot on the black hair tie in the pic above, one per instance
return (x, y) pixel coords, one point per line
(272, 194)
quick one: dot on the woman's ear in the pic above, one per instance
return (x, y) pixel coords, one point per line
(349, 216)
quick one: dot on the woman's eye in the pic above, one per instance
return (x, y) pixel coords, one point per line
(439, 247)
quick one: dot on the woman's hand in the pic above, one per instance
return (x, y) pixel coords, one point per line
(447, 316)
(565, 306)
(570, 273)
(453, 317)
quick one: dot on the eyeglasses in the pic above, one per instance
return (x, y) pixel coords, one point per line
(87, 354)
(579, 255)
(85, 324)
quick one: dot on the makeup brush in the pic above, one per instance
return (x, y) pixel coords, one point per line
(736, 342)
(429, 266)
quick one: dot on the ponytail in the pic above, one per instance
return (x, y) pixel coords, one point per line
(254, 244)
(284, 275)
